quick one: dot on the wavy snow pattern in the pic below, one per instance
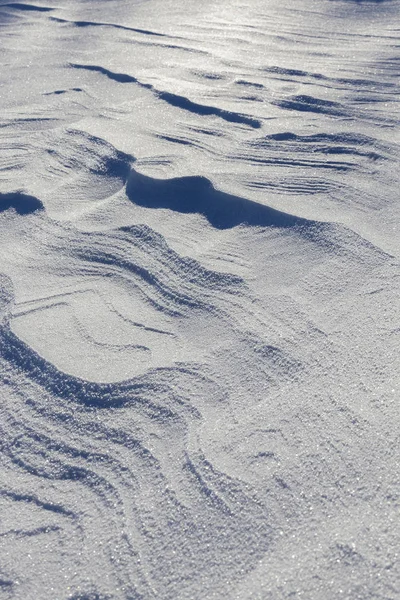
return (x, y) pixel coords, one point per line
(175, 99)
(199, 315)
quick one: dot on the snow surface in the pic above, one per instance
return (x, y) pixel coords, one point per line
(199, 299)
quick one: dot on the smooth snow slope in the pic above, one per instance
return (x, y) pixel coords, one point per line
(199, 299)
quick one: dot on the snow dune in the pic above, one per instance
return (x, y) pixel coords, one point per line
(199, 299)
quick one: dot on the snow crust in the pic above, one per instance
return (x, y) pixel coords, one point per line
(199, 299)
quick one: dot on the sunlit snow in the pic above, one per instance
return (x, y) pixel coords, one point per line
(199, 299)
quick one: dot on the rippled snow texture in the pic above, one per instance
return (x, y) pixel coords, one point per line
(199, 299)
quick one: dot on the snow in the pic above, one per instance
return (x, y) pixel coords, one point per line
(199, 300)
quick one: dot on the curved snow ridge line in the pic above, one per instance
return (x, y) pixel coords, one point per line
(113, 25)
(317, 151)
(75, 165)
(189, 270)
(293, 185)
(83, 331)
(224, 505)
(198, 195)
(31, 306)
(221, 492)
(27, 7)
(77, 150)
(140, 31)
(121, 465)
(29, 122)
(346, 81)
(60, 92)
(186, 141)
(106, 473)
(173, 296)
(45, 505)
(174, 99)
(98, 433)
(166, 280)
(153, 394)
(41, 459)
(325, 143)
(110, 507)
(312, 104)
(305, 103)
(138, 391)
(183, 283)
(287, 161)
(342, 240)
(70, 160)
(251, 84)
(55, 458)
(168, 385)
(205, 489)
(16, 124)
(227, 487)
(45, 458)
(22, 533)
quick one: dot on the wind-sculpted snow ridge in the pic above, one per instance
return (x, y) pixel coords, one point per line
(175, 99)
(112, 25)
(71, 166)
(199, 300)
(197, 195)
(143, 456)
(158, 405)
(27, 7)
(143, 33)
(325, 153)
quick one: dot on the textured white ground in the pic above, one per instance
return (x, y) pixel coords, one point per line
(199, 299)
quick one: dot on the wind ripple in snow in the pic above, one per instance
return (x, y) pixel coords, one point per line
(199, 316)
(175, 99)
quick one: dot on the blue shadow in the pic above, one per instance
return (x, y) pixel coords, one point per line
(197, 195)
(22, 203)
